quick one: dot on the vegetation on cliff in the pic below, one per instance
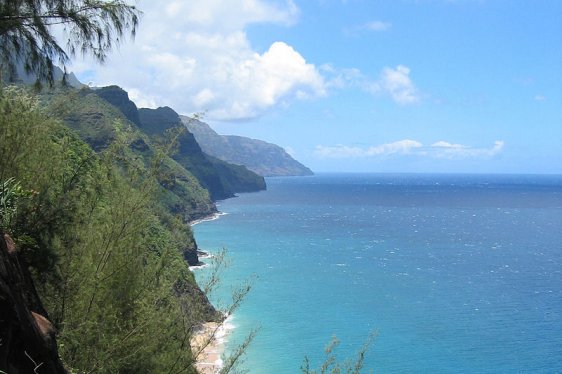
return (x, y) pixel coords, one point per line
(98, 122)
(95, 203)
(221, 179)
(101, 243)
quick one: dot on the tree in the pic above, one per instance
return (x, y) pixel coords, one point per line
(331, 365)
(104, 252)
(27, 31)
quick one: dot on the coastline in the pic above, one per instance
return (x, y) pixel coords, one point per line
(202, 255)
(208, 345)
(208, 218)
(209, 338)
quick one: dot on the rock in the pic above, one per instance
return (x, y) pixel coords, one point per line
(195, 303)
(27, 337)
(191, 256)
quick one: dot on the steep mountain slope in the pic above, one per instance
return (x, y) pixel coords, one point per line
(221, 182)
(98, 122)
(94, 233)
(261, 157)
(220, 178)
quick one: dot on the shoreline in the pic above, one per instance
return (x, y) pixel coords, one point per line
(209, 338)
(208, 342)
(202, 255)
(208, 218)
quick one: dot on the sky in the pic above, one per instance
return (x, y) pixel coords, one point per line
(438, 86)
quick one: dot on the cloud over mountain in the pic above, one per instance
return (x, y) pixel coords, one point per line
(195, 56)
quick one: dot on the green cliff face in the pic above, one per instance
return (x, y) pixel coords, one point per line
(260, 157)
(98, 122)
(98, 200)
(220, 179)
(155, 122)
(101, 232)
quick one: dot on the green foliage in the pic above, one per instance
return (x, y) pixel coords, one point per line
(96, 121)
(91, 26)
(11, 193)
(160, 125)
(237, 177)
(331, 364)
(43, 157)
(221, 179)
(106, 253)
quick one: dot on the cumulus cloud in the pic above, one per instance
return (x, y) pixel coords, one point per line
(397, 84)
(195, 57)
(391, 82)
(228, 15)
(440, 149)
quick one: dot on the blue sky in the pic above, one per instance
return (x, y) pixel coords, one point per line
(357, 85)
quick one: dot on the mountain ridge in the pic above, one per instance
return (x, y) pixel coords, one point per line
(261, 157)
(221, 181)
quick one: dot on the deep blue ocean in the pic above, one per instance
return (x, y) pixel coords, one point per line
(456, 273)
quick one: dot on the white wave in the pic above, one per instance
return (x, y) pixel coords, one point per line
(225, 329)
(198, 267)
(212, 217)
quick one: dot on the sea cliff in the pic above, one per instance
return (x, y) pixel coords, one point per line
(98, 214)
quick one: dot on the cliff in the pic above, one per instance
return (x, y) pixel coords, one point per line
(222, 180)
(100, 234)
(98, 121)
(263, 158)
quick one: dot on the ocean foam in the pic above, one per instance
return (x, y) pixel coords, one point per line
(198, 267)
(212, 217)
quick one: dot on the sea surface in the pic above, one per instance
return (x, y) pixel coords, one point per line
(455, 273)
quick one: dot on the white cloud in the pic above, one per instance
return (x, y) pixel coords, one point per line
(377, 26)
(342, 78)
(440, 149)
(406, 146)
(394, 83)
(447, 145)
(540, 97)
(338, 151)
(397, 84)
(226, 15)
(402, 147)
(195, 57)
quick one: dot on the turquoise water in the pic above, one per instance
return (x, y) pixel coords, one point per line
(455, 273)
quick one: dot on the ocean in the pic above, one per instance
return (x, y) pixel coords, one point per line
(454, 273)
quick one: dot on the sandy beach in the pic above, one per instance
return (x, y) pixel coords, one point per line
(208, 344)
